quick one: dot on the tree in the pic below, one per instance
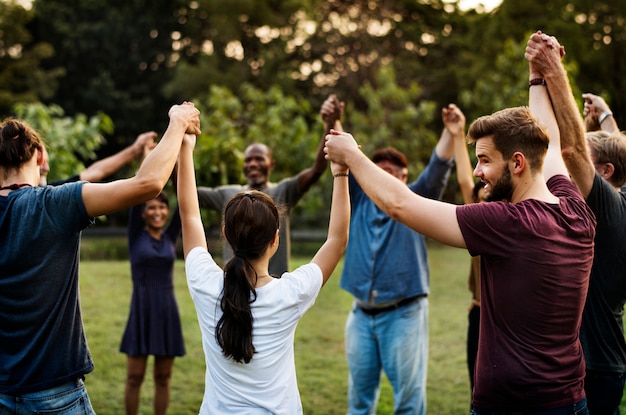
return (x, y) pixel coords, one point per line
(22, 79)
(70, 141)
(117, 56)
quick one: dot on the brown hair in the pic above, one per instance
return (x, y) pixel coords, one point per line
(251, 220)
(391, 155)
(610, 148)
(18, 142)
(513, 129)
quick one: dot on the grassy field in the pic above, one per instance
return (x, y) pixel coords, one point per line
(321, 367)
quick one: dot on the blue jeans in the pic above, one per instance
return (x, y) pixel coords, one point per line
(579, 408)
(395, 341)
(604, 392)
(69, 398)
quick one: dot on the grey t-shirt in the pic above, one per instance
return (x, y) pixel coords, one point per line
(285, 193)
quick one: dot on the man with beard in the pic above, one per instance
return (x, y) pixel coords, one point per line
(257, 166)
(536, 249)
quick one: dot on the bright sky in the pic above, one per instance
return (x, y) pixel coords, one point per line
(472, 4)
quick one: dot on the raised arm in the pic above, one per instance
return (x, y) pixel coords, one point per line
(537, 50)
(454, 121)
(434, 219)
(105, 167)
(328, 256)
(544, 54)
(331, 112)
(189, 208)
(598, 115)
(454, 127)
(105, 198)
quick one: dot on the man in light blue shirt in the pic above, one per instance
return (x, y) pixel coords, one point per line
(386, 270)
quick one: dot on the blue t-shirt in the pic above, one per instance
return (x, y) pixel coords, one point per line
(42, 339)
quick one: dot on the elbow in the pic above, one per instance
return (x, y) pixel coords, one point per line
(394, 208)
(148, 189)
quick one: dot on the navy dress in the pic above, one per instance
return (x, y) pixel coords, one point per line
(153, 326)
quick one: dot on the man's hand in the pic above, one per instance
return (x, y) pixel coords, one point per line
(453, 120)
(339, 147)
(544, 54)
(331, 111)
(594, 105)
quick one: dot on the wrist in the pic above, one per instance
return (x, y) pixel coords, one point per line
(537, 81)
(605, 114)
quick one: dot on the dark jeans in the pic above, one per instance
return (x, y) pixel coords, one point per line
(472, 342)
(579, 408)
(604, 392)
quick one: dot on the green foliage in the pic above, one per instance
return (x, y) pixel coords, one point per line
(117, 54)
(395, 117)
(232, 122)
(22, 77)
(69, 140)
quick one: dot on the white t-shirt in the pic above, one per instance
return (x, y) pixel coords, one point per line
(266, 385)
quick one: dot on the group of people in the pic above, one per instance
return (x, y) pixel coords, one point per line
(545, 329)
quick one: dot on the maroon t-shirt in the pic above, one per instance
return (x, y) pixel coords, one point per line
(535, 264)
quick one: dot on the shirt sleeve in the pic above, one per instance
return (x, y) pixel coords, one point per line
(432, 181)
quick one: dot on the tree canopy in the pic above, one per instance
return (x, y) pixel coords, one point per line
(260, 69)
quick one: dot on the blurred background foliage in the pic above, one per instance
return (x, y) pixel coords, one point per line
(93, 74)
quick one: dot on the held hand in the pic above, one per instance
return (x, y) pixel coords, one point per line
(148, 147)
(594, 105)
(453, 120)
(339, 146)
(332, 110)
(188, 114)
(144, 140)
(544, 54)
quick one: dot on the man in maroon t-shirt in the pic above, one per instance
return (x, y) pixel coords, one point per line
(536, 245)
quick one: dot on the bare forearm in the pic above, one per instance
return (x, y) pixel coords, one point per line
(574, 148)
(464, 171)
(192, 227)
(568, 119)
(104, 168)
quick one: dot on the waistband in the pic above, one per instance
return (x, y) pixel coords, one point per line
(401, 303)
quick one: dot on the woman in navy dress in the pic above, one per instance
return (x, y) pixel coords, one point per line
(153, 326)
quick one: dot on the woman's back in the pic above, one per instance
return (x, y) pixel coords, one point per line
(268, 381)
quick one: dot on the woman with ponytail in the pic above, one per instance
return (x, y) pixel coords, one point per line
(248, 317)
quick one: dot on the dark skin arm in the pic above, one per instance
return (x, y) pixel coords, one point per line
(331, 112)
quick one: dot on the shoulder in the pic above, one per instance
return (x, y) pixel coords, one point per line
(308, 277)
(200, 265)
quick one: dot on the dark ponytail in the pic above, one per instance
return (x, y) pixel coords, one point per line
(251, 220)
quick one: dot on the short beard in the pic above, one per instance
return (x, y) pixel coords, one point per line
(502, 190)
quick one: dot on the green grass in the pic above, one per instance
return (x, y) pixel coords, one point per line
(321, 367)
